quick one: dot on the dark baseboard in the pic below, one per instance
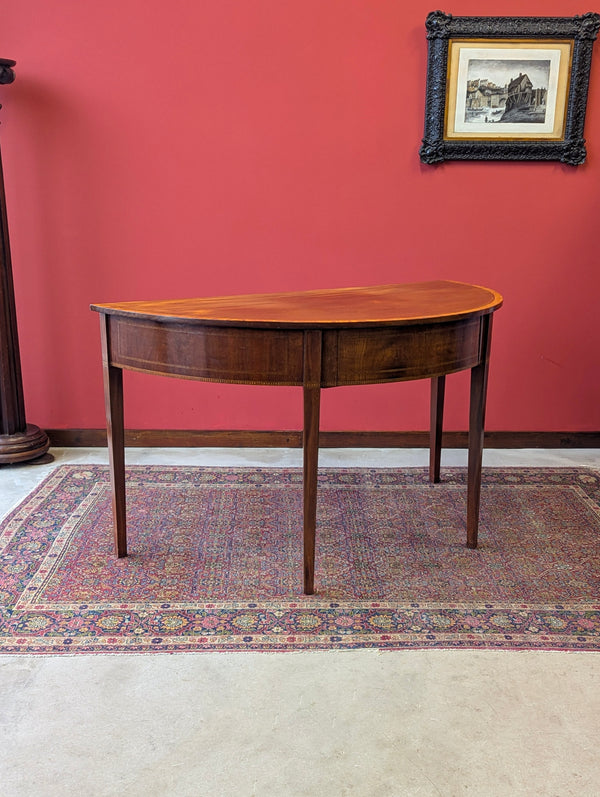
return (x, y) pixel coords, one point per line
(182, 438)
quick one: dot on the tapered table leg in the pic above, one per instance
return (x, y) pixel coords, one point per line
(479, 379)
(313, 347)
(438, 389)
(312, 401)
(113, 402)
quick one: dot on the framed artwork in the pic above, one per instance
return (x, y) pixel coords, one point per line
(507, 88)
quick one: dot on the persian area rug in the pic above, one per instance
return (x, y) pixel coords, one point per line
(216, 562)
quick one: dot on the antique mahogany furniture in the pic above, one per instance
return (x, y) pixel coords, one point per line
(313, 339)
(19, 441)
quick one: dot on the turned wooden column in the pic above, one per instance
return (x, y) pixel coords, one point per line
(19, 441)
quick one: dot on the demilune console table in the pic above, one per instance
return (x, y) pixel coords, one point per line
(312, 339)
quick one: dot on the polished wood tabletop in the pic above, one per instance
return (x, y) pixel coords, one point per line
(314, 339)
(379, 305)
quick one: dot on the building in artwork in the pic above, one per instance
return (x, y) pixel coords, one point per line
(482, 94)
(520, 92)
(524, 100)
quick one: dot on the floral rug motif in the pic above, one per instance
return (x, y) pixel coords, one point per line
(216, 562)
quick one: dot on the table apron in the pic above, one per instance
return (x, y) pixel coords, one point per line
(392, 354)
(246, 355)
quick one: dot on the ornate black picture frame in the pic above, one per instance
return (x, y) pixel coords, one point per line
(507, 88)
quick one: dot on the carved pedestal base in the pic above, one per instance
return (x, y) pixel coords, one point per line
(20, 447)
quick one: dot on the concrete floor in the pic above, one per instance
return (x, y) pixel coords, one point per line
(289, 724)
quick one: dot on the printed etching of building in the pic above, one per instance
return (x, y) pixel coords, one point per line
(521, 94)
(483, 94)
(518, 99)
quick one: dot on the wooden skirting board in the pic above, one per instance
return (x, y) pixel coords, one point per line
(183, 438)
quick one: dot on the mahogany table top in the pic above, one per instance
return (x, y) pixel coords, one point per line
(381, 305)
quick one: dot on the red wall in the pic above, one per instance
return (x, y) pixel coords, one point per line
(158, 150)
